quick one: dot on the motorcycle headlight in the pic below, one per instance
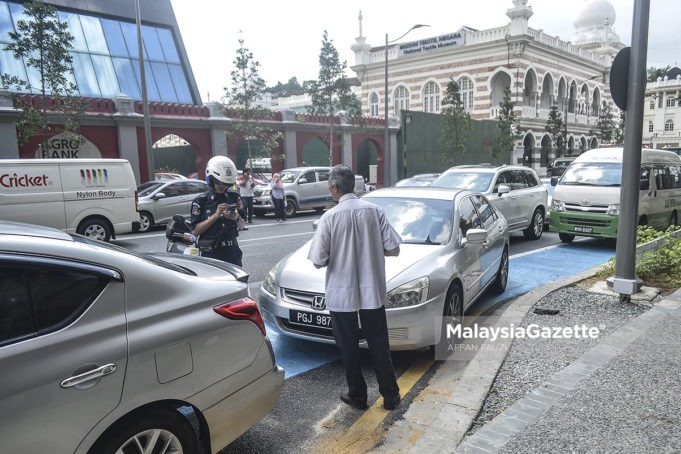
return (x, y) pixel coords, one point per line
(613, 210)
(409, 294)
(269, 286)
(557, 205)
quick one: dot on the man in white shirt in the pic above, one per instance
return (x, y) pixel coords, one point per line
(352, 241)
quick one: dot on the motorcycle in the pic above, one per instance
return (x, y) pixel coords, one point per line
(180, 238)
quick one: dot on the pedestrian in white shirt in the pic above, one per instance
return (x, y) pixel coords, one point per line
(352, 240)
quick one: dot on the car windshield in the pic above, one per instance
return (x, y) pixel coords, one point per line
(147, 188)
(418, 221)
(593, 174)
(288, 176)
(477, 181)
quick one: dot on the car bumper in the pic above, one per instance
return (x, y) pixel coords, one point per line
(409, 328)
(262, 204)
(585, 224)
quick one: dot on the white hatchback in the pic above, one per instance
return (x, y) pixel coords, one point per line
(516, 191)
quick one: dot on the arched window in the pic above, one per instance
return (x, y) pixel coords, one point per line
(431, 97)
(669, 125)
(401, 100)
(466, 91)
(373, 105)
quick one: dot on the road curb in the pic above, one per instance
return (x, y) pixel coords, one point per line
(440, 416)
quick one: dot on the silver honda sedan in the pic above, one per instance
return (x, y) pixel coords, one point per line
(455, 246)
(104, 350)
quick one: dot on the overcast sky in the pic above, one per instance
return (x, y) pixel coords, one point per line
(286, 37)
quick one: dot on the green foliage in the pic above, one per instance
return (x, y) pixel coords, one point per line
(605, 126)
(290, 88)
(654, 73)
(554, 126)
(330, 93)
(619, 130)
(247, 87)
(456, 125)
(661, 267)
(43, 42)
(508, 127)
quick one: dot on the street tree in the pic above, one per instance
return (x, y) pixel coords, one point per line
(241, 100)
(456, 125)
(604, 128)
(655, 72)
(508, 127)
(43, 42)
(330, 93)
(619, 130)
(555, 127)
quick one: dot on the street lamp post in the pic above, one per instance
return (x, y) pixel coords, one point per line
(387, 158)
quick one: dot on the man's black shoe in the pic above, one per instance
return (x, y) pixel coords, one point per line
(345, 397)
(389, 403)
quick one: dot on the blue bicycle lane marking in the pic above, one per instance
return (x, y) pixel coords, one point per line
(526, 272)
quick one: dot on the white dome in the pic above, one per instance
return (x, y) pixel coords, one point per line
(590, 25)
(594, 13)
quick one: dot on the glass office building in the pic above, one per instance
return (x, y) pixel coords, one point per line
(105, 51)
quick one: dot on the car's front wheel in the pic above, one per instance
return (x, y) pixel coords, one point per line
(536, 227)
(162, 432)
(146, 221)
(566, 237)
(291, 208)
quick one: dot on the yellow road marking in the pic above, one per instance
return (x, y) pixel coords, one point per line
(362, 435)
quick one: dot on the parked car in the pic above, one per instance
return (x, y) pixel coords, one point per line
(163, 176)
(421, 179)
(455, 245)
(559, 166)
(514, 190)
(549, 190)
(306, 188)
(109, 350)
(158, 201)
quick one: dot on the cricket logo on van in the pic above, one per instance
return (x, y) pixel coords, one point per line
(15, 180)
(94, 177)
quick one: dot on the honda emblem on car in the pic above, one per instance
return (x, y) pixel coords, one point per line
(319, 303)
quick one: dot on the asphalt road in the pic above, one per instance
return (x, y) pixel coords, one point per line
(310, 417)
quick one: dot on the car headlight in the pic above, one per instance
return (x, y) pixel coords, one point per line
(409, 294)
(269, 286)
(557, 205)
(613, 210)
(266, 192)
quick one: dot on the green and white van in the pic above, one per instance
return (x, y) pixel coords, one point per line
(586, 200)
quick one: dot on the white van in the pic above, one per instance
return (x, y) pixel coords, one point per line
(586, 199)
(94, 197)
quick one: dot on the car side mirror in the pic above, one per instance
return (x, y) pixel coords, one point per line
(302, 181)
(554, 181)
(159, 195)
(315, 223)
(503, 189)
(644, 185)
(476, 236)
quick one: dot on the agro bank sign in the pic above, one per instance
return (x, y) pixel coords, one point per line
(67, 145)
(429, 44)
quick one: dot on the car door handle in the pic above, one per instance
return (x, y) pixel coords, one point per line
(88, 376)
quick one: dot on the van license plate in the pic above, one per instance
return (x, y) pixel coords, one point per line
(309, 318)
(584, 229)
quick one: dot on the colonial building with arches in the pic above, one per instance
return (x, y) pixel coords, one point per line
(539, 69)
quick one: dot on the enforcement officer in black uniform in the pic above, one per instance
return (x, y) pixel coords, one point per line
(215, 216)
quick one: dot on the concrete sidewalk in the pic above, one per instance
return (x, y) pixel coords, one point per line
(621, 394)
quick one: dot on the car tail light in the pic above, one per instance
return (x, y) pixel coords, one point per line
(137, 201)
(242, 309)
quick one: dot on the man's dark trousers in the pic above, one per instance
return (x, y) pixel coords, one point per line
(346, 332)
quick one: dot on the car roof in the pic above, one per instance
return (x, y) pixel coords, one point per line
(418, 192)
(301, 169)
(22, 229)
(485, 168)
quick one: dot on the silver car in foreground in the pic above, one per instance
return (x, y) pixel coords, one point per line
(104, 350)
(455, 245)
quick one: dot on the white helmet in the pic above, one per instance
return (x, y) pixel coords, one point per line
(222, 169)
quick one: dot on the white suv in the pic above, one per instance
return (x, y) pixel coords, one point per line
(516, 191)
